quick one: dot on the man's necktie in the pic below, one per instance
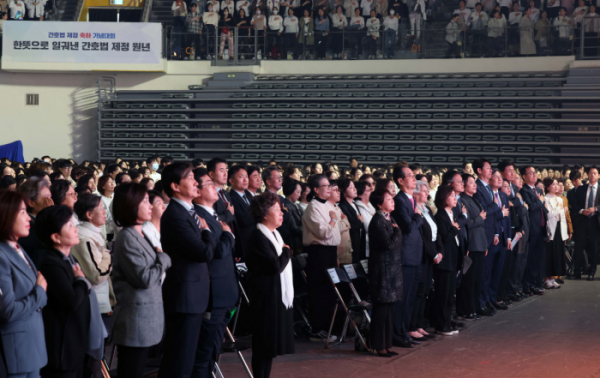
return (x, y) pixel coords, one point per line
(195, 216)
(498, 198)
(222, 196)
(412, 201)
(216, 217)
(246, 199)
(490, 191)
(590, 202)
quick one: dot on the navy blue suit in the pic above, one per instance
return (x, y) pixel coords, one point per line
(186, 290)
(225, 295)
(493, 212)
(587, 236)
(244, 222)
(412, 263)
(536, 255)
(21, 323)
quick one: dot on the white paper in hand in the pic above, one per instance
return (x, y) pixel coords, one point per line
(515, 240)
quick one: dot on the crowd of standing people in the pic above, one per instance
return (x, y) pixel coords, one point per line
(143, 256)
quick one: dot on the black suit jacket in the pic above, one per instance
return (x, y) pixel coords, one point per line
(294, 225)
(33, 246)
(221, 208)
(462, 223)
(187, 286)
(222, 268)
(357, 231)
(475, 225)
(285, 228)
(448, 235)
(493, 213)
(430, 248)
(244, 224)
(410, 225)
(536, 209)
(67, 313)
(504, 224)
(580, 204)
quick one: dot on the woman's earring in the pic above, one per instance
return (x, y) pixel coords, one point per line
(59, 242)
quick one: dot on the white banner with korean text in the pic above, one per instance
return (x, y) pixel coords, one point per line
(81, 42)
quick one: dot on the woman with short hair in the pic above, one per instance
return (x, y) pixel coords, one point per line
(106, 188)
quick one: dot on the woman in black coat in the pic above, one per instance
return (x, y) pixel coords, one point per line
(385, 271)
(433, 252)
(357, 228)
(271, 286)
(292, 190)
(444, 273)
(67, 315)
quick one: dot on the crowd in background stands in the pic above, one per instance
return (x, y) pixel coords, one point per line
(82, 261)
(310, 28)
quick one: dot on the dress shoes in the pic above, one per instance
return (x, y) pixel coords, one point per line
(403, 344)
(392, 353)
(386, 354)
(477, 316)
(536, 291)
(590, 278)
(515, 297)
(468, 318)
(484, 311)
(574, 277)
(499, 306)
(491, 308)
(559, 281)
(415, 342)
(457, 324)
(444, 332)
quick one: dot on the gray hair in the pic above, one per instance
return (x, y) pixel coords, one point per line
(420, 184)
(32, 188)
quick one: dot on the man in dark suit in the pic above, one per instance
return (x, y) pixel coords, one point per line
(578, 261)
(224, 281)
(507, 170)
(586, 209)
(494, 214)
(217, 170)
(538, 214)
(273, 182)
(497, 252)
(186, 238)
(409, 219)
(240, 198)
(515, 285)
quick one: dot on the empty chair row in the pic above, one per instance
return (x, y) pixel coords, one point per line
(391, 147)
(520, 75)
(374, 137)
(177, 95)
(109, 144)
(109, 134)
(396, 94)
(470, 115)
(124, 105)
(449, 84)
(143, 115)
(420, 105)
(123, 125)
(378, 126)
(139, 155)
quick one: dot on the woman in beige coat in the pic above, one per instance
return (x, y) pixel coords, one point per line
(526, 30)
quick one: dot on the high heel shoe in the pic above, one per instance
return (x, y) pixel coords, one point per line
(392, 353)
(386, 354)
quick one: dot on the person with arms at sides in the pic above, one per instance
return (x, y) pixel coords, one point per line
(340, 22)
(138, 273)
(558, 234)
(254, 180)
(351, 210)
(290, 38)
(510, 255)
(187, 239)
(62, 193)
(344, 250)
(151, 228)
(272, 179)
(575, 178)
(224, 284)
(271, 286)
(385, 272)
(91, 253)
(106, 188)
(409, 219)
(23, 293)
(496, 251)
(292, 191)
(515, 285)
(240, 198)
(585, 208)
(217, 170)
(37, 197)
(321, 237)
(363, 193)
(68, 314)
(432, 253)
(446, 266)
(467, 296)
(538, 216)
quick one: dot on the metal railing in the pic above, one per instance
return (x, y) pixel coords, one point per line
(249, 45)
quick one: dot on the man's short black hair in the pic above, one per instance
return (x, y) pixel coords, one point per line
(480, 163)
(399, 173)
(212, 164)
(505, 164)
(574, 175)
(198, 174)
(251, 169)
(267, 172)
(235, 169)
(197, 163)
(110, 169)
(414, 166)
(173, 173)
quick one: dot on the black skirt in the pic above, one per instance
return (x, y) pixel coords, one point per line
(556, 260)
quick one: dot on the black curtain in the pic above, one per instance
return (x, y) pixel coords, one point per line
(106, 15)
(130, 15)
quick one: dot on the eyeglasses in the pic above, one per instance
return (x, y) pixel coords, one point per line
(201, 186)
(324, 186)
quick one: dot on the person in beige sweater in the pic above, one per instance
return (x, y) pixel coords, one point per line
(344, 250)
(321, 238)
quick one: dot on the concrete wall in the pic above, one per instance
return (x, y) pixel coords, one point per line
(64, 123)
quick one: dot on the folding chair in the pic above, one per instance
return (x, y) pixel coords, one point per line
(233, 346)
(339, 277)
(242, 270)
(300, 287)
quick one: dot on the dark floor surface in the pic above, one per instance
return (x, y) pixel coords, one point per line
(554, 335)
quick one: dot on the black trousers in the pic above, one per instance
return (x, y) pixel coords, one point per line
(382, 326)
(518, 268)
(321, 295)
(444, 286)
(536, 259)
(182, 336)
(587, 238)
(132, 361)
(321, 43)
(418, 316)
(411, 276)
(291, 44)
(47, 372)
(211, 340)
(467, 296)
(261, 367)
(453, 50)
(509, 257)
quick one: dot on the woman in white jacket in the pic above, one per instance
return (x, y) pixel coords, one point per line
(91, 253)
(558, 234)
